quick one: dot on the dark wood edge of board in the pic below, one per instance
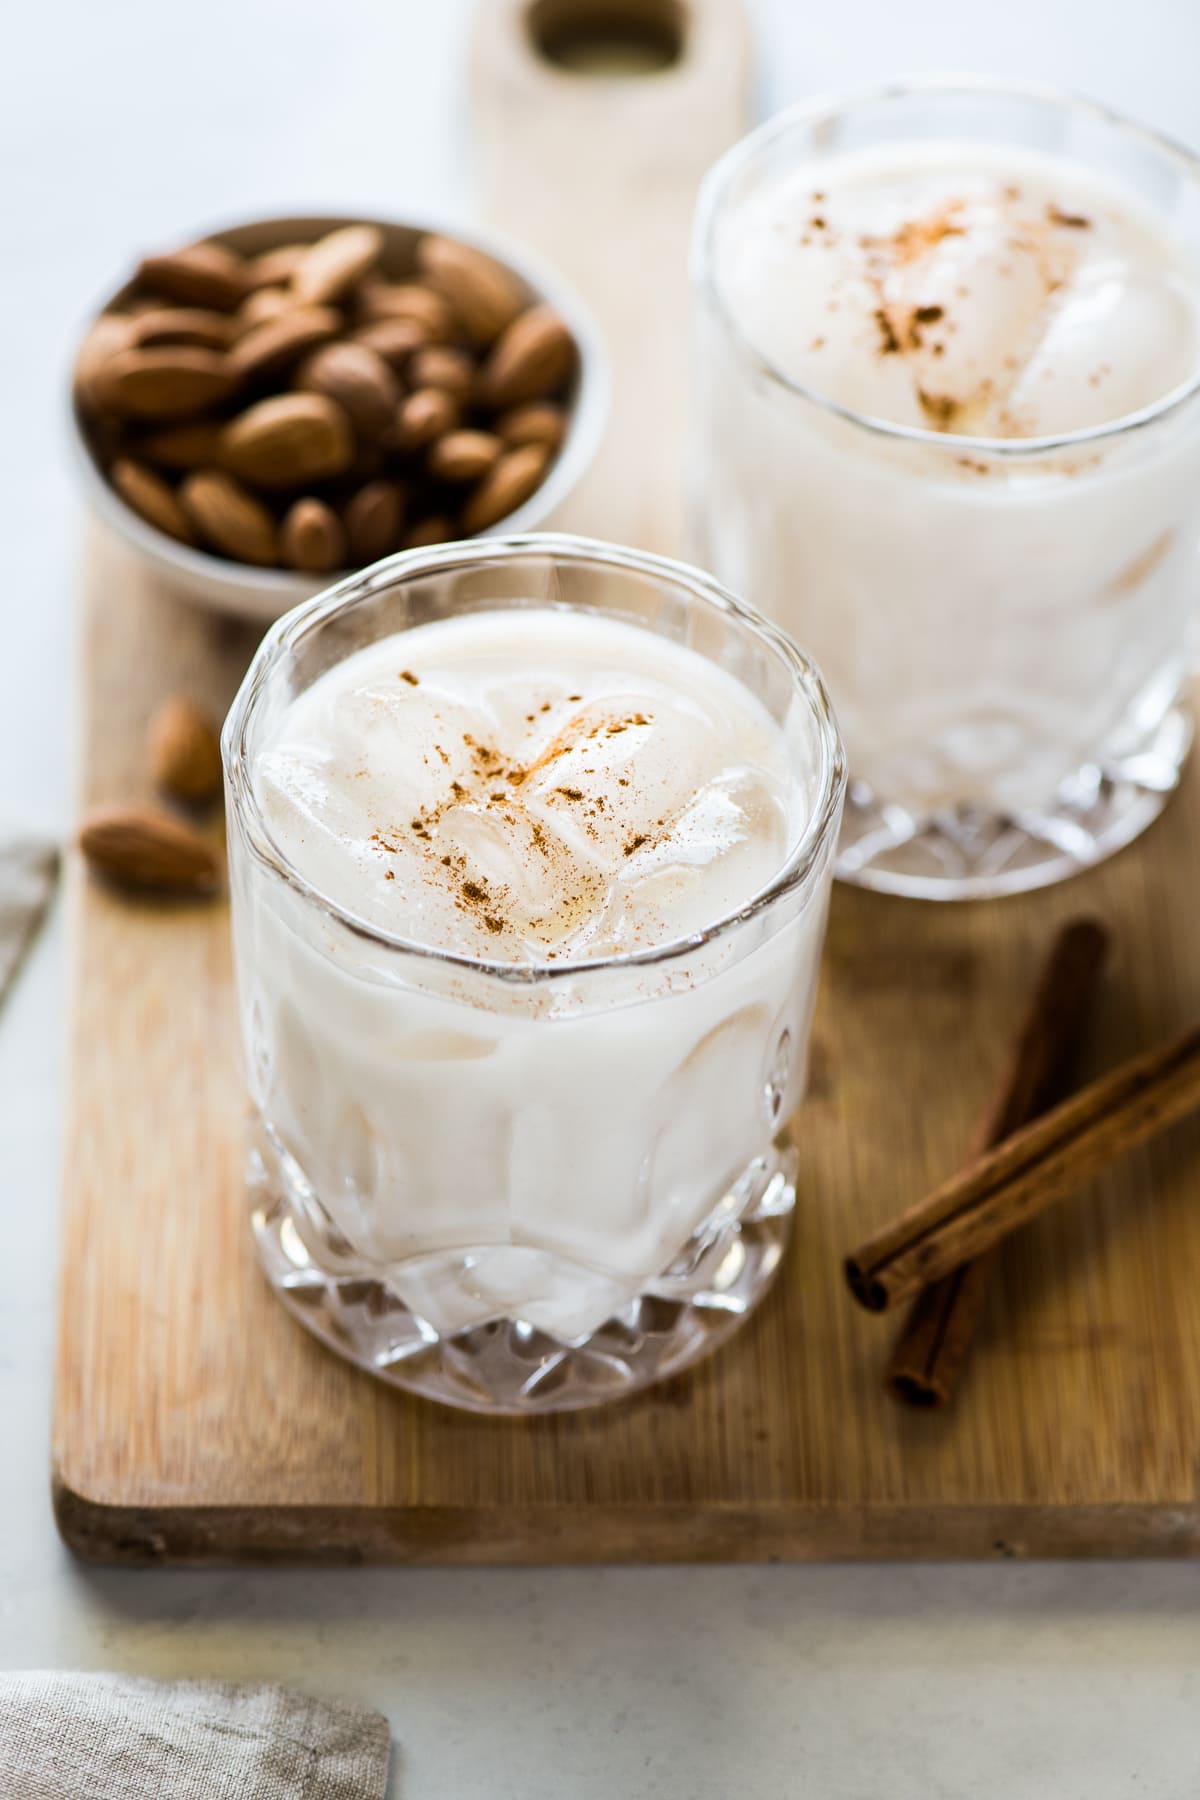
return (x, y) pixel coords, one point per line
(101, 1531)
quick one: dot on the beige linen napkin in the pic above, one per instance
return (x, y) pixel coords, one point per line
(109, 1737)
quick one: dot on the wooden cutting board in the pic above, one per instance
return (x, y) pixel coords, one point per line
(195, 1422)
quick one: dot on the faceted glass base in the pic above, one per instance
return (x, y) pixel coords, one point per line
(507, 1365)
(965, 853)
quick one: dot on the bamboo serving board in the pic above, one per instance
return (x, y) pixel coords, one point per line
(195, 1422)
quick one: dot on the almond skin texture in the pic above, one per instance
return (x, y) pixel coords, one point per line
(279, 342)
(141, 848)
(464, 455)
(201, 275)
(360, 381)
(183, 446)
(480, 293)
(168, 381)
(275, 268)
(263, 304)
(439, 366)
(196, 325)
(406, 300)
(508, 485)
(110, 334)
(428, 414)
(151, 498)
(393, 339)
(373, 521)
(539, 422)
(533, 358)
(311, 538)
(331, 267)
(436, 529)
(229, 518)
(185, 751)
(288, 441)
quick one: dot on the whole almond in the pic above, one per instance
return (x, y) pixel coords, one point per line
(436, 529)
(373, 519)
(201, 275)
(183, 446)
(279, 342)
(378, 299)
(288, 440)
(311, 537)
(533, 358)
(482, 294)
(143, 848)
(393, 339)
(167, 381)
(509, 483)
(263, 304)
(538, 422)
(331, 267)
(185, 751)
(151, 498)
(105, 337)
(463, 455)
(275, 268)
(229, 518)
(359, 380)
(440, 366)
(423, 416)
(183, 325)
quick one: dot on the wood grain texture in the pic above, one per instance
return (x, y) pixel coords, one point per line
(601, 178)
(195, 1422)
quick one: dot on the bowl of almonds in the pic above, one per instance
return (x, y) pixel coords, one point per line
(293, 399)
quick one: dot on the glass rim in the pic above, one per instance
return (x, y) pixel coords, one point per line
(714, 193)
(289, 631)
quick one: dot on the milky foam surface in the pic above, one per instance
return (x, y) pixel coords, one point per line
(531, 785)
(963, 288)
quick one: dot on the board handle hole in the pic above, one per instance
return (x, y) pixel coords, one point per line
(608, 39)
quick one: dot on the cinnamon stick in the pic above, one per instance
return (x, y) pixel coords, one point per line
(930, 1351)
(1028, 1172)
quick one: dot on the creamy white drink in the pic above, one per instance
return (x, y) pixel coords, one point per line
(535, 1076)
(911, 350)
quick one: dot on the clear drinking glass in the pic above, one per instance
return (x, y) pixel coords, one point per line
(1005, 624)
(520, 1188)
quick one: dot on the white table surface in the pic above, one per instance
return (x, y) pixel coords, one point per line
(121, 125)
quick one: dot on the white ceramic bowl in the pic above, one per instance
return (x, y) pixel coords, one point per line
(265, 594)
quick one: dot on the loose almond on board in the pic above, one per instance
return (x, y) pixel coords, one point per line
(312, 538)
(151, 498)
(142, 848)
(533, 358)
(229, 518)
(288, 440)
(509, 484)
(200, 275)
(185, 751)
(331, 267)
(168, 381)
(480, 293)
